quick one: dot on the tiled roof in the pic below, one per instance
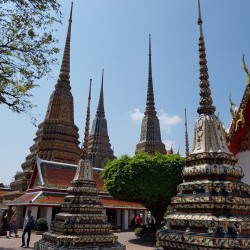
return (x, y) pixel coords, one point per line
(108, 203)
(50, 199)
(24, 199)
(59, 175)
(3, 192)
(46, 198)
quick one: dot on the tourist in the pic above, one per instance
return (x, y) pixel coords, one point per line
(132, 223)
(6, 217)
(138, 221)
(13, 226)
(150, 220)
(29, 223)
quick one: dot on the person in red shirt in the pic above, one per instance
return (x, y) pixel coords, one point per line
(138, 221)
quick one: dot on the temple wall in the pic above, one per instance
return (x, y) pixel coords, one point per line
(244, 162)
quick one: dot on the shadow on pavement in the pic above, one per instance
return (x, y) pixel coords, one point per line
(7, 248)
(141, 242)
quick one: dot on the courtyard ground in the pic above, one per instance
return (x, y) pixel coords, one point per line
(127, 238)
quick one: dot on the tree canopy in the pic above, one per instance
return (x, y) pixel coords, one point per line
(148, 179)
(26, 48)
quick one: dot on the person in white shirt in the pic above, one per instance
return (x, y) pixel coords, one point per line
(150, 220)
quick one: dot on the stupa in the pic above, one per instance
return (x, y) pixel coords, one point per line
(150, 138)
(212, 207)
(81, 224)
(57, 136)
(100, 151)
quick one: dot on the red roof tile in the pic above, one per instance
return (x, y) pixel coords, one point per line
(50, 199)
(98, 180)
(61, 177)
(26, 198)
(120, 204)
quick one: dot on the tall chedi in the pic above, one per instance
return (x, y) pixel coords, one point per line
(99, 146)
(212, 207)
(81, 224)
(150, 139)
(57, 136)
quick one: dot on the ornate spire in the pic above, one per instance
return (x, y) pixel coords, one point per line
(99, 146)
(86, 133)
(186, 135)
(150, 139)
(150, 105)
(206, 103)
(202, 216)
(65, 67)
(57, 136)
(100, 109)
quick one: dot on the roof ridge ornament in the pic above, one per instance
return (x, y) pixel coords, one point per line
(233, 106)
(246, 69)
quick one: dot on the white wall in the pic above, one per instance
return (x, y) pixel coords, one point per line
(125, 219)
(34, 210)
(244, 163)
(48, 216)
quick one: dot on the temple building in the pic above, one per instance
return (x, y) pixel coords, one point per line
(51, 175)
(99, 146)
(46, 192)
(150, 139)
(57, 136)
(212, 207)
(239, 131)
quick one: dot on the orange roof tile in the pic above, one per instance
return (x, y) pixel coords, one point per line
(26, 198)
(120, 204)
(50, 199)
(60, 176)
(3, 192)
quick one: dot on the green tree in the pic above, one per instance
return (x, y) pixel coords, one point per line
(148, 179)
(26, 48)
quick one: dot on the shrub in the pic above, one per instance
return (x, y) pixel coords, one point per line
(138, 231)
(41, 225)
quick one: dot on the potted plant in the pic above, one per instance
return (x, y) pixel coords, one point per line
(41, 226)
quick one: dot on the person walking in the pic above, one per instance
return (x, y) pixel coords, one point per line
(13, 226)
(150, 220)
(138, 221)
(29, 223)
(6, 217)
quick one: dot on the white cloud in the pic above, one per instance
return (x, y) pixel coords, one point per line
(168, 143)
(166, 120)
(136, 115)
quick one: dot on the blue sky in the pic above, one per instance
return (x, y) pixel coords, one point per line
(113, 35)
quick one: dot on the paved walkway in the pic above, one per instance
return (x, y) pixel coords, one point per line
(126, 238)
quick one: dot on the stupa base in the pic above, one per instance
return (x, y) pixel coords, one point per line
(176, 240)
(44, 245)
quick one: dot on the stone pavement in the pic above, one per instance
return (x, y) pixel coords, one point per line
(126, 238)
